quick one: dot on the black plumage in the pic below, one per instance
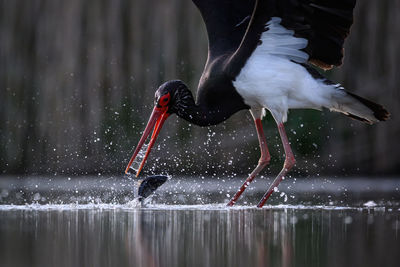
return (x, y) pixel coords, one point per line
(324, 23)
(243, 73)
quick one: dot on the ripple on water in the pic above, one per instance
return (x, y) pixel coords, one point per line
(135, 205)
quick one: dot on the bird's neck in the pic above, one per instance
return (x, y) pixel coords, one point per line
(200, 114)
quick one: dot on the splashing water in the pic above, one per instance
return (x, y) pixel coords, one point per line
(133, 169)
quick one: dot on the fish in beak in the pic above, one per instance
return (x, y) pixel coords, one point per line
(156, 121)
(149, 185)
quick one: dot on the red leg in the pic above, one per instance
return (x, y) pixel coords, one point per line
(264, 160)
(289, 163)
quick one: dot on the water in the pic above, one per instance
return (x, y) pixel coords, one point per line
(354, 222)
(133, 169)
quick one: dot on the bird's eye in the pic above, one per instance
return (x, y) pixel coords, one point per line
(164, 100)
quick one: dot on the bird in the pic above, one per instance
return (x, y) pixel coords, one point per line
(265, 55)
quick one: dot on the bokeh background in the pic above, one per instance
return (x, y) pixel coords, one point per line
(77, 81)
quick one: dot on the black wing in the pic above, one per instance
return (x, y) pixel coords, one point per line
(324, 23)
(226, 22)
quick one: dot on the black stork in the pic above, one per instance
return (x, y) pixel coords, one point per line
(261, 56)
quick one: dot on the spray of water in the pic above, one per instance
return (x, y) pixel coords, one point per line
(133, 169)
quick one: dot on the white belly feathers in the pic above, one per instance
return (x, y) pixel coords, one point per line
(270, 79)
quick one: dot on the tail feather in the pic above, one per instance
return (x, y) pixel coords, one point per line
(380, 112)
(358, 108)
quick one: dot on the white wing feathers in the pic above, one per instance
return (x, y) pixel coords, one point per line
(279, 41)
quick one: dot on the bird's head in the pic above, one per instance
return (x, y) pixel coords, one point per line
(169, 95)
(168, 99)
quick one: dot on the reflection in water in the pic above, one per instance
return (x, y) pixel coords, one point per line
(185, 237)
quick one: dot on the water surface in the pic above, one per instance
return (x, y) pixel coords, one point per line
(121, 233)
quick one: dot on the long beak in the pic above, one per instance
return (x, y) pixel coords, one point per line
(157, 118)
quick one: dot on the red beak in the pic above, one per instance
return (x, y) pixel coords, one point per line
(157, 118)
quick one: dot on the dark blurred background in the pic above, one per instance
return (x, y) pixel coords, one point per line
(77, 80)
